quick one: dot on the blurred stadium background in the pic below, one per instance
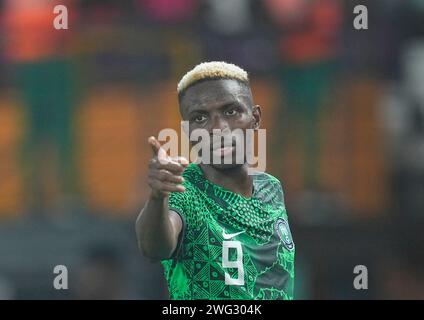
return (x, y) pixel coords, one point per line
(344, 111)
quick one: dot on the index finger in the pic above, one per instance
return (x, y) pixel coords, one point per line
(157, 149)
(154, 144)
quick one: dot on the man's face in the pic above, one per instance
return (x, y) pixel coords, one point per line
(223, 105)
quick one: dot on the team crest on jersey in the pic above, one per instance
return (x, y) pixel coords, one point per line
(283, 231)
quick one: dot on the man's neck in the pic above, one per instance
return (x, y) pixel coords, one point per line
(235, 179)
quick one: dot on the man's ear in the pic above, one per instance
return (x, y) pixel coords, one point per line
(256, 116)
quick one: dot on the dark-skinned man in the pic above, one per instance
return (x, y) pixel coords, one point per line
(220, 231)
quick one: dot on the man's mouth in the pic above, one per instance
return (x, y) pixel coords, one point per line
(223, 151)
(223, 148)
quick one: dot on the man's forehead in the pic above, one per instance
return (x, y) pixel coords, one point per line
(209, 92)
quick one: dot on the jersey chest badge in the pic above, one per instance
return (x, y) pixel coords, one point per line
(283, 231)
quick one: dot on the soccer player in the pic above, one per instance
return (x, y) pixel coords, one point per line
(220, 232)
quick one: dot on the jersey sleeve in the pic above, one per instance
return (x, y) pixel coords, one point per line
(178, 202)
(181, 203)
(271, 191)
(280, 193)
(280, 196)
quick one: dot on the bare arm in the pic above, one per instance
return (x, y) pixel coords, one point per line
(158, 228)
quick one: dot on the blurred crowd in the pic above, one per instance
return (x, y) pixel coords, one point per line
(343, 109)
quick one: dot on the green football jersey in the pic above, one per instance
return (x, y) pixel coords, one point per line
(231, 247)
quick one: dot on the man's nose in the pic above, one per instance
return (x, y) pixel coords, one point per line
(220, 124)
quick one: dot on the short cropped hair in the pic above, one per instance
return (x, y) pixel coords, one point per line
(212, 70)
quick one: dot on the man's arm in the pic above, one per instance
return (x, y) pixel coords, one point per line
(157, 227)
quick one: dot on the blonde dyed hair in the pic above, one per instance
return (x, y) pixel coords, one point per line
(212, 70)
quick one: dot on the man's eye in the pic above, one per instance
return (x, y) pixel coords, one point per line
(230, 112)
(199, 118)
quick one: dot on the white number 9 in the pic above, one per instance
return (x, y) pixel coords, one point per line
(238, 263)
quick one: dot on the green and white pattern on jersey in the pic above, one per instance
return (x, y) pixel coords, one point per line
(231, 247)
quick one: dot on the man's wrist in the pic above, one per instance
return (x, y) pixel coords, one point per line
(158, 196)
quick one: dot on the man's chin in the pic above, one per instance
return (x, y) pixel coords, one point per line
(224, 166)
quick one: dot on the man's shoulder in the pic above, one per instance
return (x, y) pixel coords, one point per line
(266, 178)
(268, 188)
